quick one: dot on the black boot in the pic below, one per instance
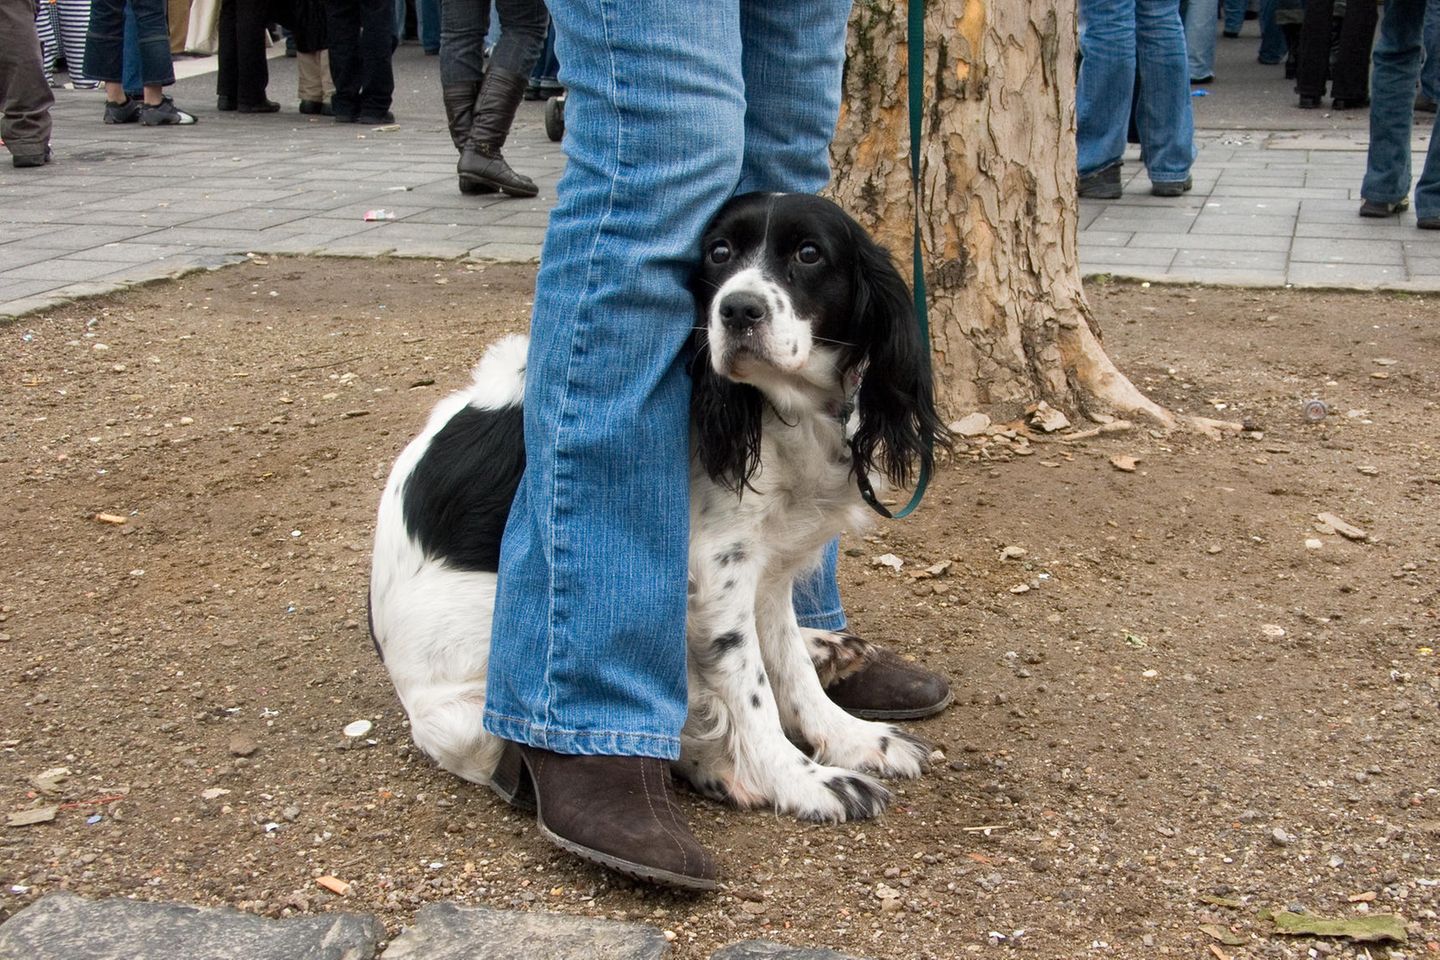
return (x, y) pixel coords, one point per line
(480, 161)
(460, 115)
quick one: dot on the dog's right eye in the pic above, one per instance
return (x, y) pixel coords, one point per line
(719, 252)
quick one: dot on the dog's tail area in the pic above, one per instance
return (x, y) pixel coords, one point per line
(499, 378)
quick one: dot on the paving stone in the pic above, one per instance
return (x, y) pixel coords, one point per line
(62, 926)
(444, 931)
(1352, 251)
(768, 950)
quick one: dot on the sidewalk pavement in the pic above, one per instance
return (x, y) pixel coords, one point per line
(129, 204)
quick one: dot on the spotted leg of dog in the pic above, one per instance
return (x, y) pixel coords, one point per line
(837, 654)
(734, 746)
(808, 715)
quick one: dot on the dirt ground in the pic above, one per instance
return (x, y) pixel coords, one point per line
(1174, 714)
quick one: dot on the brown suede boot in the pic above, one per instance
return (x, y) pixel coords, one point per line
(890, 688)
(618, 812)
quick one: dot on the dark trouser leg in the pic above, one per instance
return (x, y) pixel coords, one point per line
(227, 73)
(342, 24)
(1352, 64)
(25, 97)
(1314, 67)
(377, 43)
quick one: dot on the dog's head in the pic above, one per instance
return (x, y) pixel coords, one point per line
(795, 301)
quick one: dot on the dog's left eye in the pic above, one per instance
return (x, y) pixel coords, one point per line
(719, 252)
(808, 253)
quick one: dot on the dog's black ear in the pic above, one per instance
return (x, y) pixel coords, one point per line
(896, 402)
(726, 418)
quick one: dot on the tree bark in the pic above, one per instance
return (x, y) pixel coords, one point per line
(998, 212)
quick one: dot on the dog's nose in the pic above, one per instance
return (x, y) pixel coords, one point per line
(742, 310)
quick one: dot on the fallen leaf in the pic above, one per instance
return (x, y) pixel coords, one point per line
(1124, 463)
(26, 818)
(1367, 897)
(48, 781)
(1371, 929)
(1341, 527)
(1219, 954)
(1216, 932)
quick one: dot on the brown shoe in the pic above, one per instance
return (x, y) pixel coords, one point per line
(618, 812)
(889, 688)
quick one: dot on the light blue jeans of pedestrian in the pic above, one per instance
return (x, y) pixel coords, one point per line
(1430, 72)
(1115, 35)
(1201, 19)
(427, 23)
(672, 109)
(1397, 58)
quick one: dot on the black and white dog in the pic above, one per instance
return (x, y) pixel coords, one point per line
(810, 380)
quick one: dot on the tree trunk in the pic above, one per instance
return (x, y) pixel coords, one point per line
(1008, 319)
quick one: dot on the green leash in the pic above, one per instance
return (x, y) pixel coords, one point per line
(916, 73)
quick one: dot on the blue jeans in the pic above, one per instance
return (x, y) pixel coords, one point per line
(464, 24)
(1272, 39)
(427, 23)
(1397, 57)
(1114, 35)
(1235, 15)
(1430, 72)
(672, 109)
(105, 41)
(1201, 27)
(131, 58)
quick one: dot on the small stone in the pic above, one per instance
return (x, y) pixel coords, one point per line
(971, 426)
(1012, 553)
(1313, 544)
(358, 728)
(243, 745)
(891, 873)
(1279, 837)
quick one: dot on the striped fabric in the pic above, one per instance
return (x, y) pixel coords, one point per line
(72, 18)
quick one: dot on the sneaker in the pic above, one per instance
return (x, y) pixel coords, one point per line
(127, 112)
(23, 160)
(164, 113)
(1379, 209)
(1424, 223)
(1171, 188)
(376, 119)
(1348, 103)
(1103, 184)
(264, 106)
(317, 108)
(225, 104)
(1309, 103)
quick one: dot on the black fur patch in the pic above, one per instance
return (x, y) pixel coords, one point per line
(734, 553)
(755, 700)
(458, 497)
(729, 641)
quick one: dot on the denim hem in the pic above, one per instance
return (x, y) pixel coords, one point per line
(829, 620)
(606, 743)
(1157, 177)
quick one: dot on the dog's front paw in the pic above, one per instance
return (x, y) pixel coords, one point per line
(834, 795)
(878, 748)
(836, 654)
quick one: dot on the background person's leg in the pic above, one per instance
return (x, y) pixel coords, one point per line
(589, 641)
(1397, 68)
(1106, 83)
(1164, 118)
